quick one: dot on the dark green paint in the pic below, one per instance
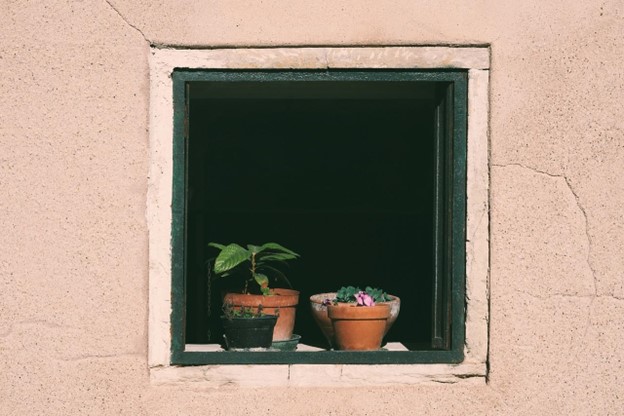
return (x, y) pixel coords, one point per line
(178, 302)
(450, 220)
(321, 357)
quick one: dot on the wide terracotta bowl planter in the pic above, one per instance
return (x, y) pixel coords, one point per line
(319, 312)
(281, 302)
(358, 328)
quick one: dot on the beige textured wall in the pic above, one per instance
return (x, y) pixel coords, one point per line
(73, 177)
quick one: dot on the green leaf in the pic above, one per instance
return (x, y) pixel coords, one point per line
(347, 294)
(254, 249)
(230, 257)
(262, 280)
(278, 247)
(377, 294)
(276, 256)
(216, 245)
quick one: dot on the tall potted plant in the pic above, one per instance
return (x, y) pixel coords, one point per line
(256, 265)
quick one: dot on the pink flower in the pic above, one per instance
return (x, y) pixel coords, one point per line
(364, 299)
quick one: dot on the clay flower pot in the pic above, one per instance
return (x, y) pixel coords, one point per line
(319, 312)
(358, 328)
(280, 302)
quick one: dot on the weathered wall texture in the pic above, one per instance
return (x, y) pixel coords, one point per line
(73, 176)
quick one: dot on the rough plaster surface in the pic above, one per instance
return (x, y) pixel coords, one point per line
(73, 174)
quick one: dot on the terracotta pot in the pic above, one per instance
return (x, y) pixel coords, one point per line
(359, 328)
(281, 302)
(319, 312)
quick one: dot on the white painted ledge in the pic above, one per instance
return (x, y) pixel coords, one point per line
(316, 375)
(158, 213)
(430, 57)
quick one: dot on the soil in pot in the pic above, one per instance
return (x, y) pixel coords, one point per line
(280, 302)
(359, 328)
(249, 332)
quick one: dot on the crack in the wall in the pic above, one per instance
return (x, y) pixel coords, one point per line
(554, 295)
(52, 325)
(478, 226)
(589, 240)
(11, 328)
(126, 21)
(579, 206)
(444, 381)
(98, 356)
(468, 375)
(592, 297)
(588, 322)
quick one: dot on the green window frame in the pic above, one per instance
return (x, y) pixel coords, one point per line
(448, 296)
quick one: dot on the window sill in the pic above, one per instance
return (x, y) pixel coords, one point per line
(315, 375)
(318, 375)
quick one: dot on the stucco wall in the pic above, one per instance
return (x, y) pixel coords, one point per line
(74, 97)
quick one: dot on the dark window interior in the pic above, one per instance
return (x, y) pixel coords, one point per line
(341, 172)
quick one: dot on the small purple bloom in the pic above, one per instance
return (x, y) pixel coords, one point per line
(364, 299)
(327, 302)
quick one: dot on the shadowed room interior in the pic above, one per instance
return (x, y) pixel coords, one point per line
(340, 172)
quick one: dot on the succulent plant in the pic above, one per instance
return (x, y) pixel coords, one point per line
(367, 297)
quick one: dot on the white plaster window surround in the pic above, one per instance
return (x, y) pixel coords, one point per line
(474, 367)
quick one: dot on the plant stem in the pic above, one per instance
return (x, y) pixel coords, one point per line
(253, 271)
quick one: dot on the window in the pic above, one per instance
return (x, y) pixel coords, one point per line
(387, 160)
(362, 172)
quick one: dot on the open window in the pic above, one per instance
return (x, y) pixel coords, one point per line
(363, 172)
